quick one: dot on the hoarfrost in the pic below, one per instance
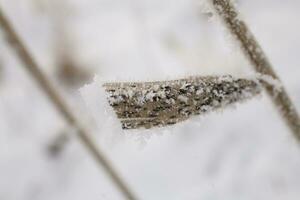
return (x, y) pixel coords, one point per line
(183, 98)
(276, 84)
(107, 123)
(176, 100)
(104, 118)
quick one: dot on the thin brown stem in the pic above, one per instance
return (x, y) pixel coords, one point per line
(59, 103)
(260, 63)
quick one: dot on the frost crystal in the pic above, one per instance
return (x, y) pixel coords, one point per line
(157, 104)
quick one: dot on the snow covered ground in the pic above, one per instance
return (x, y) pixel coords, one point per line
(240, 153)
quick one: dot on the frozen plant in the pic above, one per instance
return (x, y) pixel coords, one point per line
(260, 63)
(161, 103)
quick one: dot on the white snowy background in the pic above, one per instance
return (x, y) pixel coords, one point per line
(238, 154)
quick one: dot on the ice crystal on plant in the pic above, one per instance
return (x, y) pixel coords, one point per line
(157, 104)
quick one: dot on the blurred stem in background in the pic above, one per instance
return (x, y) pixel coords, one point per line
(61, 105)
(69, 71)
(1, 70)
(260, 63)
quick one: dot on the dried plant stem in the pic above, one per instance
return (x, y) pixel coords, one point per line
(59, 103)
(259, 61)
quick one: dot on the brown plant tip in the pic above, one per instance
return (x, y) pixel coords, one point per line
(72, 75)
(162, 103)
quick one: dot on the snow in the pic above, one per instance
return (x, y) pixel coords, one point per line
(242, 153)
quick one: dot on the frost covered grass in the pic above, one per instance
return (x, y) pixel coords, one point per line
(157, 104)
(259, 61)
(108, 103)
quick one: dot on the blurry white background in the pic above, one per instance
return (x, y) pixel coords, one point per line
(243, 153)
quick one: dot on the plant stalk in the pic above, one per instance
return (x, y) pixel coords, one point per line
(260, 63)
(59, 103)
